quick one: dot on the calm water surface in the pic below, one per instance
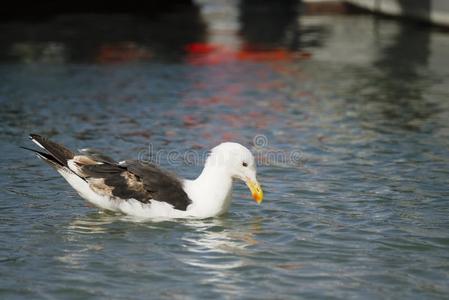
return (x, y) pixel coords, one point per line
(356, 203)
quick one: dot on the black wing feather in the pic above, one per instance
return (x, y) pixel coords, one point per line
(140, 181)
(133, 179)
(59, 152)
(163, 185)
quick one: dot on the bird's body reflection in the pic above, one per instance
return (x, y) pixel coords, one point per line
(219, 248)
(217, 236)
(216, 246)
(93, 223)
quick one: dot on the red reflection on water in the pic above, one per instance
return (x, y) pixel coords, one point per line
(200, 48)
(139, 133)
(211, 54)
(202, 101)
(234, 108)
(191, 121)
(230, 136)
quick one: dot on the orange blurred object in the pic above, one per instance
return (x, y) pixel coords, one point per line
(266, 55)
(122, 52)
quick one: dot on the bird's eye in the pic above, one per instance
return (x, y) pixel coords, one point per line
(244, 164)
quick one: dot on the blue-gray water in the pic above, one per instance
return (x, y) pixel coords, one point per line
(355, 166)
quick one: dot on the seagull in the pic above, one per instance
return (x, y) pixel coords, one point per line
(142, 189)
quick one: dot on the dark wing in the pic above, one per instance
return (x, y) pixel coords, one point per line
(163, 185)
(133, 179)
(60, 153)
(137, 180)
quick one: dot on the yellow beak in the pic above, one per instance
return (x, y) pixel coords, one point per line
(255, 189)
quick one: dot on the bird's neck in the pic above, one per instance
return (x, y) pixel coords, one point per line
(211, 191)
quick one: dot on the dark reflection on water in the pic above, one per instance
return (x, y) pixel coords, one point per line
(363, 213)
(400, 79)
(271, 25)
(102, 38)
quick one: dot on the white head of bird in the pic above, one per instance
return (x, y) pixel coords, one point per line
(239, 163)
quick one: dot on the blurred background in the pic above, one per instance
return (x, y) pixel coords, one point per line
(350, 96)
